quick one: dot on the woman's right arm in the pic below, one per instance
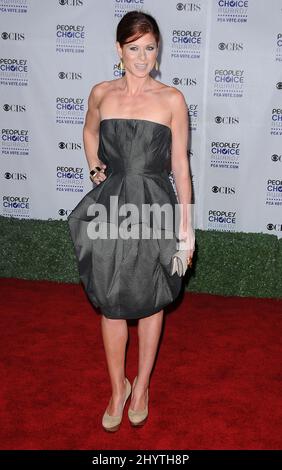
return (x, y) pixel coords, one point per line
(91, 131)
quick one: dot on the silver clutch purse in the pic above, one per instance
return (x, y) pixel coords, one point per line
(180, 262)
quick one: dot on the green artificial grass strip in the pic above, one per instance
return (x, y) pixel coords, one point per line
(229, 263)
(225, 263)
(37, 249)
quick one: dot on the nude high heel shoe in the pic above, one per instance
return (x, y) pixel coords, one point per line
(112, 423)
(138, 418)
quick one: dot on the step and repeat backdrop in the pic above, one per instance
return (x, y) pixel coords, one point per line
(224, 55)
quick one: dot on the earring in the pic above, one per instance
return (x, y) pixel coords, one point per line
(120, 65)
(157, 65)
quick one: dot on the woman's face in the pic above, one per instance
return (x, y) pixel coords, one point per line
(139, 56)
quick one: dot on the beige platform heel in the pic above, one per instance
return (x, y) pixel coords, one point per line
(112, 423)
(138, 418)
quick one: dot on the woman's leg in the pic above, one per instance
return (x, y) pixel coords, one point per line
(149, 330)
(115, 335)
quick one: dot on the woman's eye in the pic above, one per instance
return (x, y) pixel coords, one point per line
(150, 48)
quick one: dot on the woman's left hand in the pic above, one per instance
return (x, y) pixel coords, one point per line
(187, 241)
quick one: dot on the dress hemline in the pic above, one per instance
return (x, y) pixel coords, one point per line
(138, 314)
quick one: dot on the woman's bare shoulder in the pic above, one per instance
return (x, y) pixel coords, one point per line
(100, 88)
(170, 92)
(173, 92)
(176, 98)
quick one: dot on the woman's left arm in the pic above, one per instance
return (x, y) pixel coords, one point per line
(180, 167)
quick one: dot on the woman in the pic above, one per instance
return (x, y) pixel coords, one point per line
(130, 125)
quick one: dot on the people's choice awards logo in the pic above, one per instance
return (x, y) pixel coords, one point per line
(15, 142)
(16, 206)
(276, 121)
(193, 116)
(186, 44)
(13, 71)
(278, 48)
(123, 6)
(222, 220)
(69, 110)
(232, 11)
(69, 179)
(228, 83)
(225, 155)
(70, 38)
(274, 192)
(14, 6)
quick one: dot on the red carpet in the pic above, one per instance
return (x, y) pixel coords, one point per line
(216, 384)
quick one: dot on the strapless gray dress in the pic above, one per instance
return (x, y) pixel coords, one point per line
(128, 278)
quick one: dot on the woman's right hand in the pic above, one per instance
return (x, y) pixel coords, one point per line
(100, 175)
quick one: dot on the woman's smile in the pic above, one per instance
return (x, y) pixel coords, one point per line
(141, 66)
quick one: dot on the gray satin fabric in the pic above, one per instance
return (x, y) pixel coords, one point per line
(130, 278)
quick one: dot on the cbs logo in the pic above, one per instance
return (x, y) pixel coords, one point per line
(71, 3)
(277, 227)
(276, 158)
(63, 212)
